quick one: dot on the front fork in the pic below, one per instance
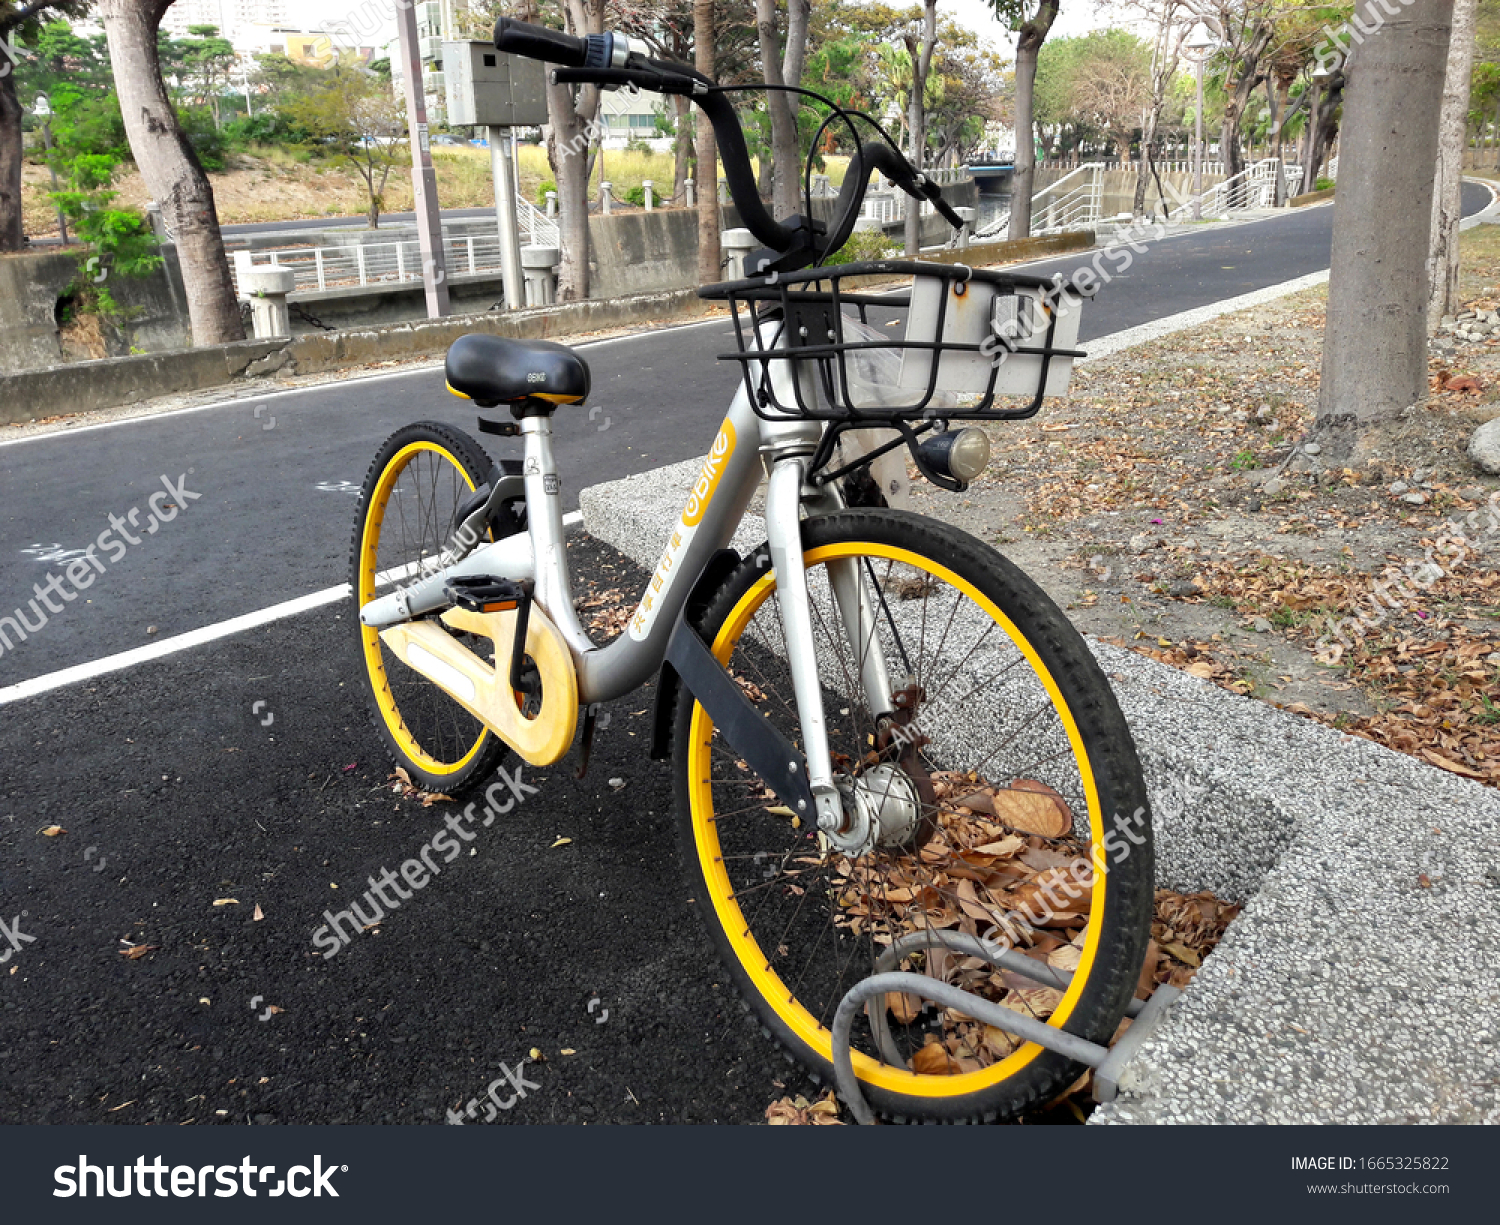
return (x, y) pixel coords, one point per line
(857, 612)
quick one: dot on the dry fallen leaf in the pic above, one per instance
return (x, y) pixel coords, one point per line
(226, 901)
(799, 1112)
(52, 831)
(933, 1060)
(567, 1050)
(1034, 807)
(258, 914)
(136, 951)
(560, 842)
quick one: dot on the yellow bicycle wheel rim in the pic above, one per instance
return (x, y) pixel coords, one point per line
(369, 548)
(802, 1024)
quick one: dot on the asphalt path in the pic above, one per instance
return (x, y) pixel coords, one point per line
(275, 479)
(207, 811)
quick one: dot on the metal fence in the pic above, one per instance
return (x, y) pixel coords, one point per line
(374, 263)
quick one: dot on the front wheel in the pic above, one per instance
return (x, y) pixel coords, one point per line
(1010, 806)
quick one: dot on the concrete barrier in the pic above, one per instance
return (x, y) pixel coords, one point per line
(1311, 197)
(90, 386)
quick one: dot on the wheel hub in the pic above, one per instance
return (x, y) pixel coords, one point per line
(881, 808)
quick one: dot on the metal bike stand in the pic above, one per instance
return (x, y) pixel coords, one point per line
(1107, 1062)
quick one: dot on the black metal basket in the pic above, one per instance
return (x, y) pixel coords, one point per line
(965, 342)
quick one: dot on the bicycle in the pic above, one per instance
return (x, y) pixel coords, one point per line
(878, 726)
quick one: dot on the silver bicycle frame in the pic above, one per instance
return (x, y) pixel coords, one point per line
(747, 447)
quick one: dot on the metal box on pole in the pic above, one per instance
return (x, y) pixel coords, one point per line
(487, 88)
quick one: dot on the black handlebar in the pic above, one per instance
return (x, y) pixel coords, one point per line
(607, 60)
(540, 43)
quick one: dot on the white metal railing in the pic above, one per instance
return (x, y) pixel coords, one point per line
(1253, 187)
(537, 229)
(1173, 166)
(374, 263)
(949, 175)
(890, 208)
(1074, 202)
(399, 260)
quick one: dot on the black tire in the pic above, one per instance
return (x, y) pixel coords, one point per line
(440, 745)
(757, 852)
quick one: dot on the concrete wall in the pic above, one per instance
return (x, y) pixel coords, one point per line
(86, 386)
(643, 252)
(32, 285)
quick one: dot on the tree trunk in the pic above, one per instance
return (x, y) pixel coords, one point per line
(572, 125)
(783, 68)
(921, 66)
(709, 268)
(1453, 131)
(12, 234)
(682, 113)
(170, 169)
(1375, 344)
(1028, 44)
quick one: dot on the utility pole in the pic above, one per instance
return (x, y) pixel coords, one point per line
(424, 182)
(503, 170)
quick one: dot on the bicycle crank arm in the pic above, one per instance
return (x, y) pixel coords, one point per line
(511, 557)
(485, 691)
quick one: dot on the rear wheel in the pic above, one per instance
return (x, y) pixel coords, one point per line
(995, 770)
(419, 478)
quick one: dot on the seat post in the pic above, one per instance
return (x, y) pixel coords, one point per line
(554, 588)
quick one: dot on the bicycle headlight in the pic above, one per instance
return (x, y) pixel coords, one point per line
(961, 454)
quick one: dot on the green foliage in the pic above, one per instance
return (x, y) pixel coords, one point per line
(543, 188)
(864, 245)
(118, 241)
(1244, 461)
(635, 195)
(85, 122)
(208, 140)
(1323, 184)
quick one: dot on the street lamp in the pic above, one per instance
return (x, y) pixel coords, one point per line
(43, 111)
(1197, 46)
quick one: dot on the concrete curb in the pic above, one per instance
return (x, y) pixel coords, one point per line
(1348, 991)
(88, 386)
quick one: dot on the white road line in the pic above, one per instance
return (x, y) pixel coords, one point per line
(187, 641)
(1102, 346)
(170, 646)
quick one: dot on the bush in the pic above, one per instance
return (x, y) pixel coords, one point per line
(636, 196)
(208, 142)
(1322, 184)
(541, 192)
(864, 245)
(266, 128)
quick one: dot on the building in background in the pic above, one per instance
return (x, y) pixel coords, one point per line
(228, 16)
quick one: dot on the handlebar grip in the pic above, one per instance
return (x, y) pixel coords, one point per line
(947, 211)
(540, 43)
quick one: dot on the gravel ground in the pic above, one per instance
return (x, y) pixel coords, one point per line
(1359, 983)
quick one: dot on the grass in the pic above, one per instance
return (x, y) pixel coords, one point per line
(292, 182)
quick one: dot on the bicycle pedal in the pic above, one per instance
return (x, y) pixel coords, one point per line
(482, 593)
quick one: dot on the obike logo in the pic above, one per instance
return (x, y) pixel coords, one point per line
(692, 515)
(713, 469)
